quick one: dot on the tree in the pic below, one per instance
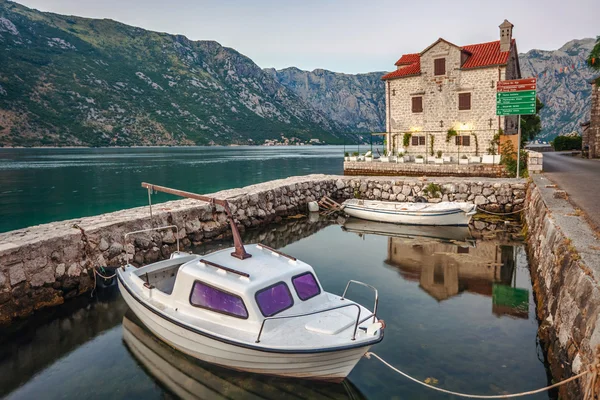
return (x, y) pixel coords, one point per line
(593, 60)
(531, 125)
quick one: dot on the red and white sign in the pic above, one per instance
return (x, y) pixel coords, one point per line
(515, 82)
(516, 88)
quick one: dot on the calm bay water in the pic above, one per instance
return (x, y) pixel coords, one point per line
(44, 185)
(459, 311)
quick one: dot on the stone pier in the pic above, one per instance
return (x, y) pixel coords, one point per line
(44, 265)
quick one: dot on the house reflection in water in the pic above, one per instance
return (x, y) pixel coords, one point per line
(445, 269)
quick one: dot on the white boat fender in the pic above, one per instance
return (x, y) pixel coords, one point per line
(374, 328)
(313, 206)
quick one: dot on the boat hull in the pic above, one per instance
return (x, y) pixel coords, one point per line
(456, 217)
(326, 365)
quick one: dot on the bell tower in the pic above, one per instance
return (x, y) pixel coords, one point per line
(505, 35)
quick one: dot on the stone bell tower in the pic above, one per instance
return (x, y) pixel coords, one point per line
(505, 35)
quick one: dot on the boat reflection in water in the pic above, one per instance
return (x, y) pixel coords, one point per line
(189, 378)
(447, 261)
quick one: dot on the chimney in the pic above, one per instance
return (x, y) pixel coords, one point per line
(505, 35)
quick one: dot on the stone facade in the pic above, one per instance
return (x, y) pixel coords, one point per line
(591, 134)
(535, 162)
(565, 269)
(440, 103)
(44, 265)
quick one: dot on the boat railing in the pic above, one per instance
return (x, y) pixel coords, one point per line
(368, 286)
(358, 321)
(160, 228)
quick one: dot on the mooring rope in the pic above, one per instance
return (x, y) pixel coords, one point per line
(589, 390)
(508, 213)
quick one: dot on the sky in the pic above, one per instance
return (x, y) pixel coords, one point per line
(345, 35)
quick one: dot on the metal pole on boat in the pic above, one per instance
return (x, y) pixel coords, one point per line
(240, 251)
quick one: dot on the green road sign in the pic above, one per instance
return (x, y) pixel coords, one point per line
(516, 103)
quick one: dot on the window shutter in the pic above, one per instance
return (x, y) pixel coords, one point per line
(422, 140)
(415, 140)
(464, 101)
(417, 104)
(457, 140)
(439, 66)
(466, 140)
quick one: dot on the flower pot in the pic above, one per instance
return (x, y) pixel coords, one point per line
(488, 159)
(419, 160)
(353, 158)
(447, 159)
(400, 159)
(463, 161)
(438, 160)
(384, 159)
(474, 160)
(369, 159)
(392, 159)
(346, 158)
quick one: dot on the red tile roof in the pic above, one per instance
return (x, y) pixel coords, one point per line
(480, 55)
(408, 70)
(485, 55)
(408, 59)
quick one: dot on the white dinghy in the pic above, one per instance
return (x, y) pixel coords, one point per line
(262, 311)
(443, 213)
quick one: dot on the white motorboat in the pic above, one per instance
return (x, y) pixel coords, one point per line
(262, 311)
(443, 213)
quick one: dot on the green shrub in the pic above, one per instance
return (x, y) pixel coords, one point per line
(562, 143)
(406, 139)
(509, 160)
(450, 134)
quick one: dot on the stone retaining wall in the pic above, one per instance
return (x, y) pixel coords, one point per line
(564, 258)
(355, 168)
(44, 265)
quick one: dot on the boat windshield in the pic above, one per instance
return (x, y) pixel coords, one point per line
(274, 299)
(306, 286)
(213, 299)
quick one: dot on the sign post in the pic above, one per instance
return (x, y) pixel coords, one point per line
(517, 97)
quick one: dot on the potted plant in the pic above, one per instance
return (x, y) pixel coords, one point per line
(400, 158)
(464, 159)
(368, 156)
(491, 157)
(354, 156)
(474, 160)
(346, 156)
(384, 157)
(447, 159)
(419, 159)
(438, 158)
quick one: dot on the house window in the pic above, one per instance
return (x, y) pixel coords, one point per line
(464, 101)
(418, 140)
(439, 66)
(463, 140)
(274, 299)
(417, 104)
(306, 286)
(213, 299)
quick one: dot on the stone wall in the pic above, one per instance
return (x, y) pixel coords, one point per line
(413, 169)
(564, 258)
(535, 162)
(593, 132)
(44, 265)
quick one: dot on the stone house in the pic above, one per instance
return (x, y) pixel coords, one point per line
(448, 87)
(591, 129)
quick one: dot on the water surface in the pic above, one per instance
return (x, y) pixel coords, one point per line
(44, 185)
(458, 310)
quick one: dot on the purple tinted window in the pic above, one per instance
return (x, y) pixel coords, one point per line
(274, 299)
(211, 298)
(306, 286)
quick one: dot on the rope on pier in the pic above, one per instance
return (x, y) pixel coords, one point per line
(588, 395)
(508, 213)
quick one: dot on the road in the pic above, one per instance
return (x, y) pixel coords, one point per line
(580, 178)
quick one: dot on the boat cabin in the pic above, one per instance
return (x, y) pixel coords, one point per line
(225, 290)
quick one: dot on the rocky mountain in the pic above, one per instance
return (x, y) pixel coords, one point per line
(67, 80)
(355, 101)
(566, 94)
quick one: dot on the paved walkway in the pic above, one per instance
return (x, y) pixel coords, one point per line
(580, 178)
